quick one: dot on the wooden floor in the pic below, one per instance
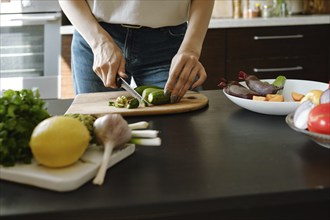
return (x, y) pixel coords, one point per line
(66, 76)
(67, 91)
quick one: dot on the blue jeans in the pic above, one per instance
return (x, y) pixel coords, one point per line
(148, 53)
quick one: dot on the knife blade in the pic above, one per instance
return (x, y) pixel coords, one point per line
(123, 84)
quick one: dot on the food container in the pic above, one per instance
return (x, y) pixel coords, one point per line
(295, 6)
(237, 8)
(267, 11)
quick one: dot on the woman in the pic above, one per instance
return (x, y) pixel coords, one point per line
(157, 42)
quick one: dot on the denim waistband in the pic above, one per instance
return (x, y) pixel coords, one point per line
(132, 26)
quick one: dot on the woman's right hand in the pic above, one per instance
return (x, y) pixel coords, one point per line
(108, 62)
(108, 58)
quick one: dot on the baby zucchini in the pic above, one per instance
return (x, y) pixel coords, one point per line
(147, 91)
(140, 89)
(158, 97)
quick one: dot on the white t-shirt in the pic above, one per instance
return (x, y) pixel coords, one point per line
(150, 13)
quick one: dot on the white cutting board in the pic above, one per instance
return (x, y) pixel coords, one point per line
(64, 179)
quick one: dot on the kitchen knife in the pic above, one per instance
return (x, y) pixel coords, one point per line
(123, 84)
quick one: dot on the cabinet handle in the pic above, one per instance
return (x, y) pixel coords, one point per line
(278, 37)
(257, 70)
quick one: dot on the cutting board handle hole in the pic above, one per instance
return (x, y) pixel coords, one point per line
(191, 97)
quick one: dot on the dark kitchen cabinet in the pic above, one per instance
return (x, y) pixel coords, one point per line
(298, 52)
(213, 57)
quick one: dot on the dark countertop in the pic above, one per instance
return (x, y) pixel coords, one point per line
(219, 162)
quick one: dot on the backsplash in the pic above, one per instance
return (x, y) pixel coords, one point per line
(317, 6)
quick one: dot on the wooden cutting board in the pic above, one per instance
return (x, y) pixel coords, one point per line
(98, 104)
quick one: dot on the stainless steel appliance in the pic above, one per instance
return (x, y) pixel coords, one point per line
(30, 46)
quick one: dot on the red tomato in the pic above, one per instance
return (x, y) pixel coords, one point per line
(319, 119)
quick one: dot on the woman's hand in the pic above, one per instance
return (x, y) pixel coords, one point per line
(108, 58)
(186, 73)
(108, 62)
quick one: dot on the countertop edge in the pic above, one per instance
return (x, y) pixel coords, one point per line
(273, 21)
(252, 22)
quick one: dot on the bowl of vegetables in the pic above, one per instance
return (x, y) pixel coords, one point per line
(312, 117)
(269, 96)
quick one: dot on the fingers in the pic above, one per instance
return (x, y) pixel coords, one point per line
(121, 70)
(190, 81)
(200, 79)
(108, 62)
(179, 65)
(107, 75)
(186, 73)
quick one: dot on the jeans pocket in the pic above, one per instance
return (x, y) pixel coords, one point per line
(178, 31)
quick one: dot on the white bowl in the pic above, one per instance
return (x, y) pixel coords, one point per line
(279, 108)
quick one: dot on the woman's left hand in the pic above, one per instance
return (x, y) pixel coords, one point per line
(186, 72)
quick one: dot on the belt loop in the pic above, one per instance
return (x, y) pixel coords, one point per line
(131, 26)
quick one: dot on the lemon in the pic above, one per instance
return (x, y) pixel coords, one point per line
(59, 141)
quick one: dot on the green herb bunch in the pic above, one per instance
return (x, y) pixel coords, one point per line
(20, 112)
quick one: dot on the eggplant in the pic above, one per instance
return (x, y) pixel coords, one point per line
(236, 89)
(254, 83)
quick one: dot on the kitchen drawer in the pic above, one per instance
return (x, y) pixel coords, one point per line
(308, 68)
(288, 41)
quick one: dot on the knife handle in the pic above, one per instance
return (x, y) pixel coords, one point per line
(118, 81)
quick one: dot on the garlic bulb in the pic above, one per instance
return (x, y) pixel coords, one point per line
(112, 131)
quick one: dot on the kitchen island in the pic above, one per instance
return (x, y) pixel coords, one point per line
(220, 162)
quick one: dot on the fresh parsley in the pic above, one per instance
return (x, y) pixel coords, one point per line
(20, 112)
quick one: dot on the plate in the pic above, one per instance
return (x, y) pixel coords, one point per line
(321, 139)
(279, 108)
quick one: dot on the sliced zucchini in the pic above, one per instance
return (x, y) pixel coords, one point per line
(140, 89)
(158, 98)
